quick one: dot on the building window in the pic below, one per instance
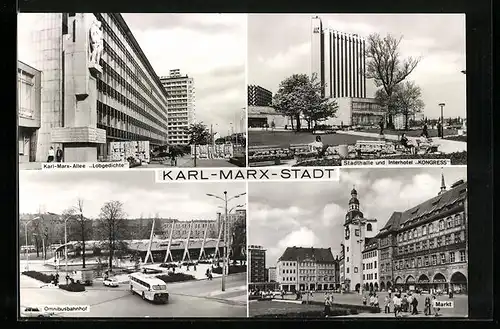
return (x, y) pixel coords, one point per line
(443, 258)
(447, 239)
(430, 228)
(458, 220)
(356, 232)
(363, 267)
(452, 257)
(348, 259)
(462, 255)
(441, 225)
(426, 260)
(369, 227)
(424, 230)
(347, 248)
(434, 259)
(375, 276)
(355, 270)
(375, 264)
(431, 243)
(419, 231)
(419, 261)
(347, 270)
(363, 277)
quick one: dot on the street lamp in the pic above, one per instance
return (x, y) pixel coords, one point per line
(26, 242)
(360, 241)
(224, 258)
(66, 239)
(442, 120)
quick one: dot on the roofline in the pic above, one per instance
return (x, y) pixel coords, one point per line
(31, 67)
(142, 56)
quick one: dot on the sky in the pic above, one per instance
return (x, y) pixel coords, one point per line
(211, 48)
(52, 191)
(311, 214)
(280, 45)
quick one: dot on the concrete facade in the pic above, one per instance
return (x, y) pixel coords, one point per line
(257, 261)
(181, 106)
(85, 107)
(29, 110)
(259, 96)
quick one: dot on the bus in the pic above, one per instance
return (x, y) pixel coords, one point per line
(152, 289)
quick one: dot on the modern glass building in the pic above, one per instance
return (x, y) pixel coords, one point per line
(85, 106)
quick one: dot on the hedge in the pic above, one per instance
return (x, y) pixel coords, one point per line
(73, 287)
(39, 276)
(232, 269)
(175, 277)
(456, 158)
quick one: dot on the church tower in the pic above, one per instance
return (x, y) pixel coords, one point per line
(443, 185)
(356, 229)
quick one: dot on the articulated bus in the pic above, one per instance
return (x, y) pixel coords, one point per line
(148, 288)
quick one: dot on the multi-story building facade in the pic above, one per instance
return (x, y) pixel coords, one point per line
(28, 109)
(272, 274)
(196, 229)
(371, 265)
(257, 261)
(181, 105)
(87, 104)
(357, 229)
(357, 112)
(338, 61)
(387, 244)
(259, 96)
(432, 242)
(306, 269)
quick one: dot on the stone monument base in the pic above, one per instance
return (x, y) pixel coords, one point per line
(80, 153)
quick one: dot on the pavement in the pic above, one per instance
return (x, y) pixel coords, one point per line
(460, 308)
(202, 298)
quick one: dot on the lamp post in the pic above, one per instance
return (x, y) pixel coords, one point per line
(227, 227)
(442, 120)
(360, 223)
(26, 241)
(65, 240)
(224, 258)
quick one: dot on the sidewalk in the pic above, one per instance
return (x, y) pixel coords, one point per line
(445, 145)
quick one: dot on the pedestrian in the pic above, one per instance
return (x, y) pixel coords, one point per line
(372, 300)
(397, 305)
(414, 304)
(59, 154)
(390, 292)
(375, 301)
(194, 266)
(436, 309)
(282, 293)
(387, 308)
(51, 155)
(427, 306)
(364, 300)
(327, 305)
(381, 125)
(425, 133)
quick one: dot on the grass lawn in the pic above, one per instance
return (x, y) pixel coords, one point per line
(270, 307)
(285, 138)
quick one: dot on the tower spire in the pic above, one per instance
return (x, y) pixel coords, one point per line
(443, 185)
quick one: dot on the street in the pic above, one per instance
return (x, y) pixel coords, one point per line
(460, 308)
(201, 298)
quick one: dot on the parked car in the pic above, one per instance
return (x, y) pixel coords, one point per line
(110, 282)
(35, 312)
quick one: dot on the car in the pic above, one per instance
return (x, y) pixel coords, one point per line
(35, 312)
(110, 282)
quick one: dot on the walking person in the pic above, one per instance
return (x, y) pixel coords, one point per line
(414, 304)
(390, 292)
(387, 308)
(51, 155)
(425, 132)
(327, 305)
(375, 301)
(59, 154)
(427, 306)
(397, 305)
(364, 300)
(436, 309)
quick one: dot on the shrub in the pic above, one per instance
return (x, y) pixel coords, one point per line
(232, 269)
(165, 265)
(175, 277)
(73, 287)
(39, 276)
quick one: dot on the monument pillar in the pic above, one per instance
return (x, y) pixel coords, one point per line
(79, 135)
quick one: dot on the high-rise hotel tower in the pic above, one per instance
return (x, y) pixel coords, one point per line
(338, 60)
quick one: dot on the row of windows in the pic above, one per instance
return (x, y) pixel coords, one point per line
(118, 41)
(432, 260)
(289, 264)
(124, 93)
(370, 254)
(111, 117)
(436, 242)
(288, 271)
(370, 266)
(139, 281)
(370, 276)
(451, 221)
(385, 255)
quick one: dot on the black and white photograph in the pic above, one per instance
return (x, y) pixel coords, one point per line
(155, 90)
(382, 243)
(333, 87)
(114, 245)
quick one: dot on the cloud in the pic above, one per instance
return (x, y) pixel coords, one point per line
(331, 213)
(303, 237)
(288, 58)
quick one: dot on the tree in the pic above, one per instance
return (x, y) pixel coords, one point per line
(408, 100)
(299, 95)
(238, 239)
(174, 152)
(80, 227)
(198, 135)
(112, 227)
(386, 67)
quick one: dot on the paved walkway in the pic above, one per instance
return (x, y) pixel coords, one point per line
(445, 145)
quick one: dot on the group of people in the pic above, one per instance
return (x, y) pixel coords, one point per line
(55, 154)
(408, 303)
(373, 299)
